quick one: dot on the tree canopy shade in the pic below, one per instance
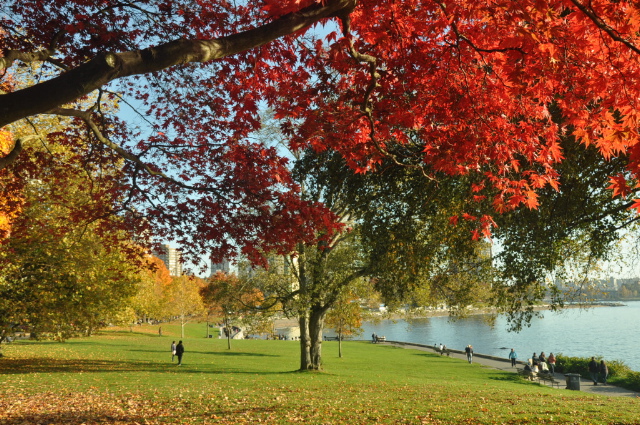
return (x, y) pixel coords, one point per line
(472, 80)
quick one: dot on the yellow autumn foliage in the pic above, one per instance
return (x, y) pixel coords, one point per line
(9, 202)
(6, 143)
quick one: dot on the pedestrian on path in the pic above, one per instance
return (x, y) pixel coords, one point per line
(173, 350)
(179, 352)
(604, 372)
(513, 356)
(552, 362)
(469, 350)
(593, 370)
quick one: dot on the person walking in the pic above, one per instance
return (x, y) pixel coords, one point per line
(604, 371)
(552, 363)
(593, 370)
(513, 356)
(469, 350)
(173, 350)
(179, 352)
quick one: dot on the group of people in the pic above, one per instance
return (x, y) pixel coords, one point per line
(537, 364)
(598, 370)
(442, 349)
(469, 352)
(177, 351)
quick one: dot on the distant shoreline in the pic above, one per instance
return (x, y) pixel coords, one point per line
(493, 310)
(283, 323)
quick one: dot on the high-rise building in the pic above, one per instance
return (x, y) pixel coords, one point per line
(171, 258)
(223, 266)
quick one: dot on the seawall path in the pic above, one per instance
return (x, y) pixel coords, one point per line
(505, 364)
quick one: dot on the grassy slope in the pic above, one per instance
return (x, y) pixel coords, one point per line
(121, 377)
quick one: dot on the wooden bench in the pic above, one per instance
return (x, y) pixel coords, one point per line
(527, 374)
(548, 378)
(542, 377)
(381, 339)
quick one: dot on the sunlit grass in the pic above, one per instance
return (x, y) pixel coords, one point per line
(128, 377)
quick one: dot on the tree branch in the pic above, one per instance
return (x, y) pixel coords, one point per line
(86, 117)
(109, 66)
(600, 23)
(8, 160)
(366, 107)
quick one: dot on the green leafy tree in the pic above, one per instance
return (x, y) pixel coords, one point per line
(184, 300)
(392, 233)
(575, 228)
(345, 317)
(64, 286)
(62, 278)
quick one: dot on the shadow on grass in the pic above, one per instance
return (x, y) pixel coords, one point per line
(516, 379)
(128, 334)
(28, 366)
(149, 415)
(432, 356)
(234, 354)
(212, 353)
(66, 418)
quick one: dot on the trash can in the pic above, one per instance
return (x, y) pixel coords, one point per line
(573, 381)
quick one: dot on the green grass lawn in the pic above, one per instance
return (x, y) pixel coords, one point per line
(122, 377)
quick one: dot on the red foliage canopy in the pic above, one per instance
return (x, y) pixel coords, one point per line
(454, 86)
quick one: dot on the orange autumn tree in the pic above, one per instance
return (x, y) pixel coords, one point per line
(234, 300)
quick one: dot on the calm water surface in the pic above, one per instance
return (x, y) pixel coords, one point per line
(610, 332)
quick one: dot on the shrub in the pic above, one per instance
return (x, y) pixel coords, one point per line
(572, 364)
(619, 373)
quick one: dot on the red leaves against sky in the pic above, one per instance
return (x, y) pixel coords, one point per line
(461, 87)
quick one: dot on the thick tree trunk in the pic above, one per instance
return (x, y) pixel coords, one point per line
(311, 328)
(305, 343)
(316, 326)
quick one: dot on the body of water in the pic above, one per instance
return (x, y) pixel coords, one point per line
(610, 332)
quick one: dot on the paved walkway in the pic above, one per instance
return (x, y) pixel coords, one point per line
(505, 364)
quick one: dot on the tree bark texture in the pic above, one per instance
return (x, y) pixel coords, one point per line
(305, 343)
(311, 328)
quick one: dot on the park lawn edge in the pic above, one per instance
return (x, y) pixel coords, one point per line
(123, 377)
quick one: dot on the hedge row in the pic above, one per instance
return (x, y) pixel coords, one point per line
(619, 373)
